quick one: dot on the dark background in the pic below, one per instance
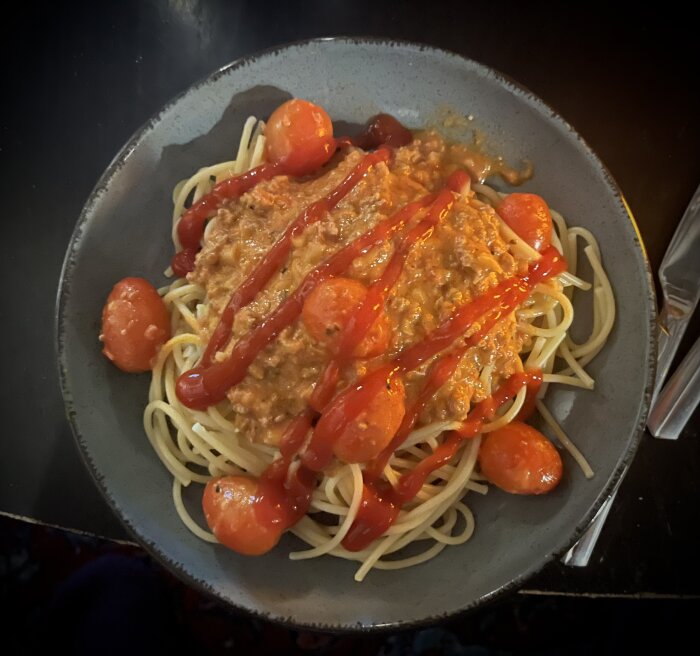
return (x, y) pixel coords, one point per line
(80, 78)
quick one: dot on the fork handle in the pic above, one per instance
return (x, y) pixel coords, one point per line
(581, 552)
(678, 399)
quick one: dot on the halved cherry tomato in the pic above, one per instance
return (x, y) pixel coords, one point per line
(520, 460)
(328, 309)
(366, 436)
(229, 509)
(300, 134)
(529, 217)
(135, 324)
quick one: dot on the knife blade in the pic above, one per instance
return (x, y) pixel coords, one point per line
(678, 399)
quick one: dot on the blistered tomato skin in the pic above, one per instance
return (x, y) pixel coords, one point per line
(299, 135)
(520, 460)
(328, 309)
(529, 217)
(366, 436)
(135, 324)
(229, 508)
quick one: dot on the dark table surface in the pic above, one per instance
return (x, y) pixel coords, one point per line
(79, 79)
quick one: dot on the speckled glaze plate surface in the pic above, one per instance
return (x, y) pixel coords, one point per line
(125, 230)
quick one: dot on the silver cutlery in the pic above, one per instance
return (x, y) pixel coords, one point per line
(678, 399)
(679, 275)
(671, 407)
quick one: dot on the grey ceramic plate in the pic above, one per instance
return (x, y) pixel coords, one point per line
(124, 230)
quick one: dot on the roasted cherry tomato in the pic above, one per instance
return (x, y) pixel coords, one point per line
(529, 217)
(299, 134)
(330, 306)
(365, 437)
(229, 509)
(135, 324)
(519, 459)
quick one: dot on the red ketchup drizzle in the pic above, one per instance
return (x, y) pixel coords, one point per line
(190, 228)
(381, 503)
(381, 130)
(364, 317)
(276, 256)
(284, 494)
(495, 304)
(202, 386)
(437, 376)
(285, 489)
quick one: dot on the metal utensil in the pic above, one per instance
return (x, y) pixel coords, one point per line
(581, 552)
(679, 275)
(678, 399)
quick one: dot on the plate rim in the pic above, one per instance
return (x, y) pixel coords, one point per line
(64, 292)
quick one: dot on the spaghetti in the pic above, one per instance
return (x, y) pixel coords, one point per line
(411, 491)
